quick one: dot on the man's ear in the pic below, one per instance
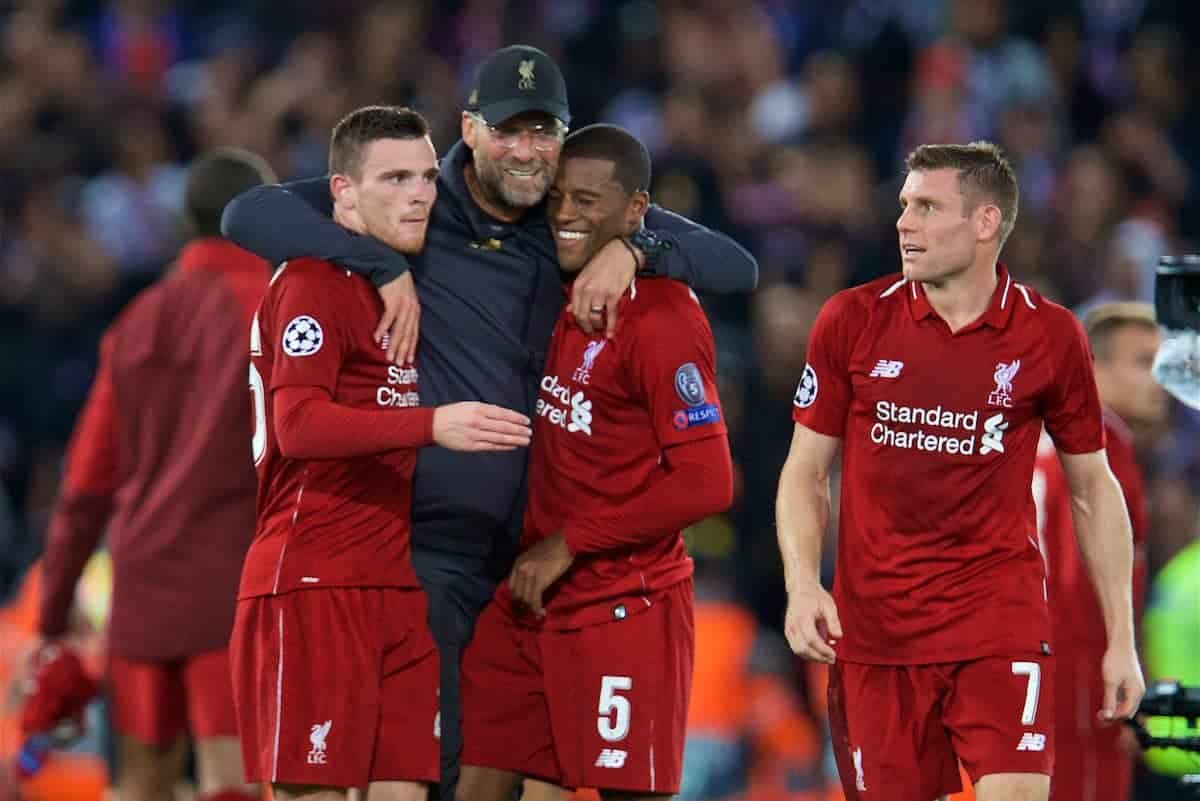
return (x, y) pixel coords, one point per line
(989, 222)
(639, 201)
(469, 130)
(343, 191)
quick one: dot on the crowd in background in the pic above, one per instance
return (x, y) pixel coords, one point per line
(781, 123)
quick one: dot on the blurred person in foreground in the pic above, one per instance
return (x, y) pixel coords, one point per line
(158, 460)
(1093, 758)
(630, 448)
(938, 382)
(335, 669)
(491, 293)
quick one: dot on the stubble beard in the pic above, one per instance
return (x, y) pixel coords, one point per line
(492, 182)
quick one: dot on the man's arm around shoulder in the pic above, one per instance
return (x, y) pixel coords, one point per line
(1106, 542)
(287, 221)
(802, 514)
(704, 259)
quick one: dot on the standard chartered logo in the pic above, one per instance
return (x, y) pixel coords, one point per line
(570, 411)
(939, 430)
(993, 434)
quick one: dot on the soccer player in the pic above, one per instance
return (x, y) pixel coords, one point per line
(580, 670)
(935, 385)
(155, 459)
(490, 295)
(1092, 762)
(335, 670)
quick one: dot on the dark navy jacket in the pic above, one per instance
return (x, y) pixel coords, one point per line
(490, 293)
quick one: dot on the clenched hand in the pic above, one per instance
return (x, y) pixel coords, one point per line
(537, 568)
(811, 625)
(599, 288)
(472, 426)
(399, 325)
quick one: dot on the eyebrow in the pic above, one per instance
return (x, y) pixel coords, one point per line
(432, 172)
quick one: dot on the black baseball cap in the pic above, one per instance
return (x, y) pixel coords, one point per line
(516, 79)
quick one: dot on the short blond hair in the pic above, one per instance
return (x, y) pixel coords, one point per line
(983, 172)
(1103, 321)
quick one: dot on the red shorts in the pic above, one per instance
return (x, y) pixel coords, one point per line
(157, 702)
(1090, 764)
(897, 730)
(603, 706)
(336, 687)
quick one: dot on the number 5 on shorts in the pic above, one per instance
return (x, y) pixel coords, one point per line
(1034, 671)
(613, 722)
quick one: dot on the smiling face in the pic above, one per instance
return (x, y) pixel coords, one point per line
(393, 194)
(587, 207)
(515, 160)
(939, 234)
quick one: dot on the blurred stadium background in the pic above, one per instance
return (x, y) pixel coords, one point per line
(781, 123)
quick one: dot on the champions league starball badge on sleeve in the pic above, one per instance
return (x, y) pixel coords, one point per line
(1177, 307)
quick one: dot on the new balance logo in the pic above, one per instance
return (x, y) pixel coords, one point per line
(887, 369)
(993, 435)
(316, 736)
(611, 758)
(1032, 742)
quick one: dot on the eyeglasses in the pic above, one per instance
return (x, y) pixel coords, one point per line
(545, 136)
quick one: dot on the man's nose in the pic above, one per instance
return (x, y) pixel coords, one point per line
(523, 149)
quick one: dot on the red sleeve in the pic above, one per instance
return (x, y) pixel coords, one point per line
(1072, 410)
(822, 400)
(309, 425)
(313, 328)
(85, 499)
(697, 483)
(673, 367)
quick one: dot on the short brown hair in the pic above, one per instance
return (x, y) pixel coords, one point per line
(216, 178)
(365, 125)
(983, 171)
(1106, 319)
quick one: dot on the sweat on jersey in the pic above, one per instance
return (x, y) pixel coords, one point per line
(938, 557)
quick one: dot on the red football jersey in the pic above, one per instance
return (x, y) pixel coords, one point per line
(606, 412)
(1074, 607)
(938, 557)
(327, 522)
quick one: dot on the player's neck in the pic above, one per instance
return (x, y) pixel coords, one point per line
(962, 299)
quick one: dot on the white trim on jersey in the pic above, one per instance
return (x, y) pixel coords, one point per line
(295, 515)
(1025, 293)
(652, 785)
(278, 702)
(1004, 297)
(278, 272)
(893, 288)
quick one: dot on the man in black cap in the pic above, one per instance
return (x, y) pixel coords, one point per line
(490, 292)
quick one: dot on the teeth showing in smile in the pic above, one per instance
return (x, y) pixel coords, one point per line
(571, 234)
(521, 173)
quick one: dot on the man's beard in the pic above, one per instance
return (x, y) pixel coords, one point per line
(501, 192)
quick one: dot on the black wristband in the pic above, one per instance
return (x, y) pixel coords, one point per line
(637, 259)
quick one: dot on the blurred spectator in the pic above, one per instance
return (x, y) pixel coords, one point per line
(134, 209)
